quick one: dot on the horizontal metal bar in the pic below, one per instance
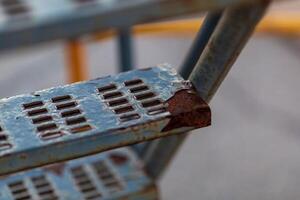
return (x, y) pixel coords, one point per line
(230, 36)
(113, 175)
(84, 118)
(26, 22)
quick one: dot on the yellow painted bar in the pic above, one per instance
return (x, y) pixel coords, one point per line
(281, 23)
(76, 61)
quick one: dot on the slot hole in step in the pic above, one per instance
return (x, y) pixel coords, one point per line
(114, 184)
(39, 185)
(81, 129)
(46, 192)
(61, 98)
(151, 103)
(131, 117)
(37, 112)
(3, 137)
(118, 102)
(16, 184)
(42, 186)
(139, 89)
(42, 119)
(88, 188)
(51, 135)
(46, 127)
(33, 104)
(107, 88)
(77, 120)
(39, 180)
(66, 105)
(112, 95)
(124, 109)
(143, 96)
(71, 113)
(133, 82)
(156, 111)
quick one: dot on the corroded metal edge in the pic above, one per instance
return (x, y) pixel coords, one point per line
(184, 111)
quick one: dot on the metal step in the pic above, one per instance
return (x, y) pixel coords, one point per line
(25, 22)
(113, 175)
(84, 118)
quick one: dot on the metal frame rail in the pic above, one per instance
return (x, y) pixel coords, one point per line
(27, 22)
(230, 36)
(30, 22)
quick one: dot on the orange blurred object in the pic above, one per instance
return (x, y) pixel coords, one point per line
(76, 61)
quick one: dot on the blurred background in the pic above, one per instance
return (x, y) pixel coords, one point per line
(251, 151)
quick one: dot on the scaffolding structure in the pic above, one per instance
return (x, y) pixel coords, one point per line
(56, 135)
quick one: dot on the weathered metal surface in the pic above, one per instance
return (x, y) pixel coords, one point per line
(202, 38)
(199, 44)
(226, 44)
(25, 22)
(76, 120)
(114, 175)
(230, 36)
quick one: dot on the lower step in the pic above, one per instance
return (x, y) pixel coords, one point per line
(113, 175)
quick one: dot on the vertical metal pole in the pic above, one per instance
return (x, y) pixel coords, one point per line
(231, 34)
(202, 37)
(125, 49)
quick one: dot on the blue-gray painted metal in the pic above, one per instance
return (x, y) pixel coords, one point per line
(126, 63)
(88, 117)
(206, 30)
(226, 44)
(230, 36)
(126, 50)
(26, 22)
(117, 174)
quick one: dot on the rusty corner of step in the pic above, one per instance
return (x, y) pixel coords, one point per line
(187, 109)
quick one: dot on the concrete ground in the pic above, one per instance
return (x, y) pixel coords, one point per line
(252, 149)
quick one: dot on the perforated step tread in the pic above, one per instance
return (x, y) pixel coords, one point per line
(76, 120)
(112, 175)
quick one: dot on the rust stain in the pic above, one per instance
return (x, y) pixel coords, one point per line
(118, 158)
(57, 169)
(187, 110)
